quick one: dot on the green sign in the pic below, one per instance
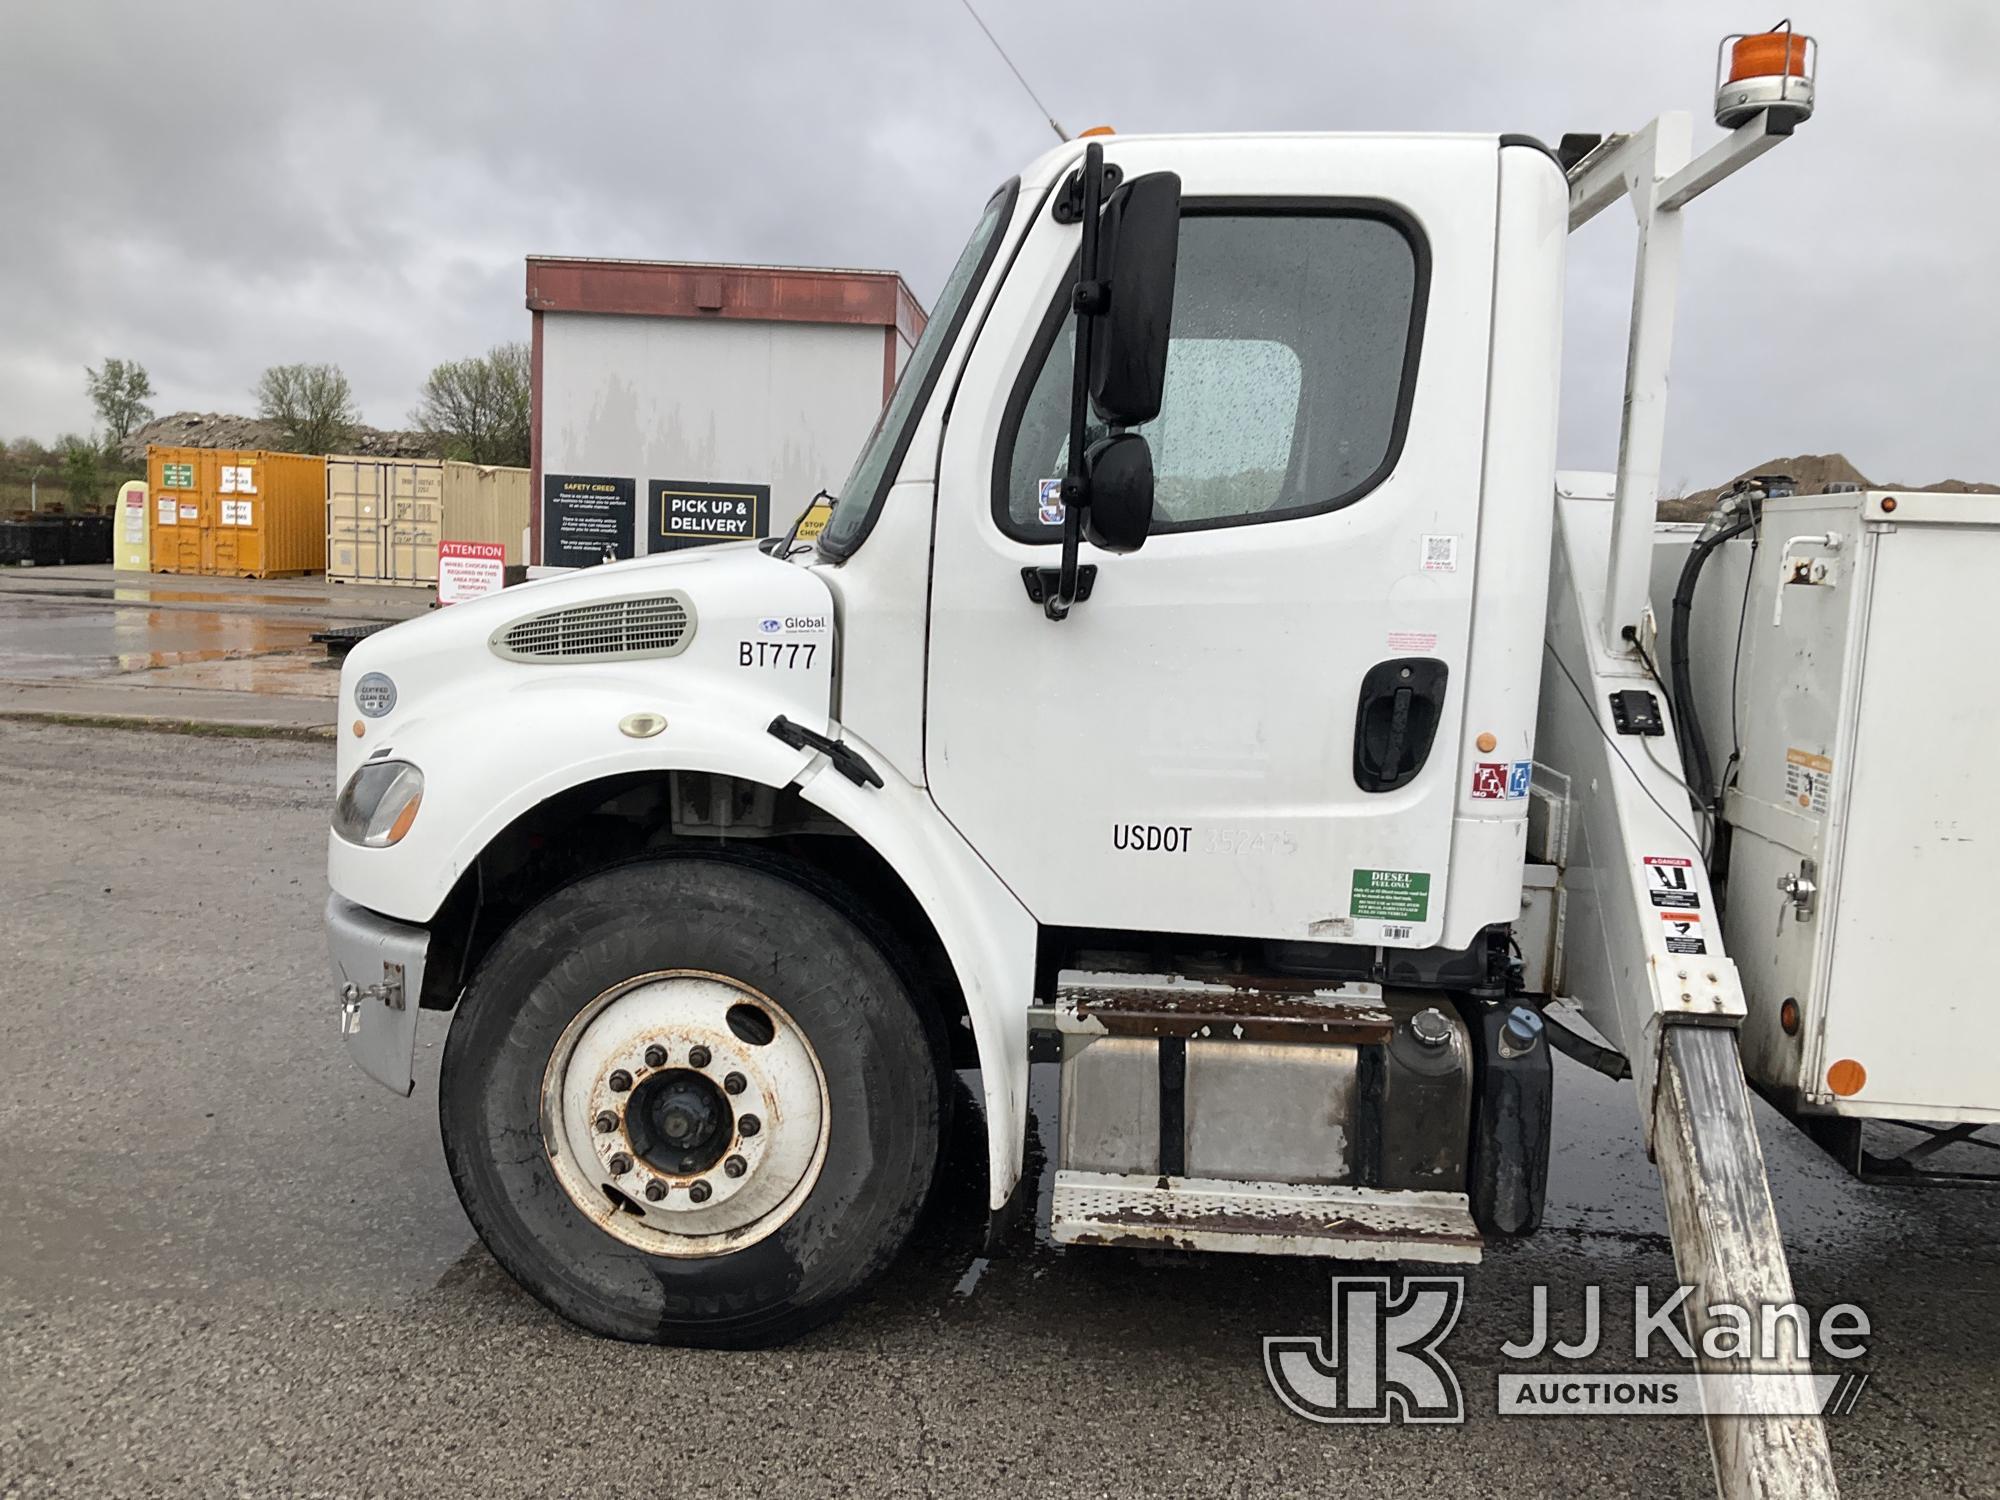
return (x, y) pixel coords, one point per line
(1391, 895)
(177, 476)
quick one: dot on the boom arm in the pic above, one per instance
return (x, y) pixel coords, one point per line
(1644, 953)
(1651, 167)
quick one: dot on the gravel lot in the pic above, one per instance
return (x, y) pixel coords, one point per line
(231, 1265)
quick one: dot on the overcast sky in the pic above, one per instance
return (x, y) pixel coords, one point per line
(211, 188)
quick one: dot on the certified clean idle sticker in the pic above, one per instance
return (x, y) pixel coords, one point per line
(374, 695)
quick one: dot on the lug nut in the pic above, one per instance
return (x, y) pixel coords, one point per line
(736, 1166)
(735, 1083)
(620, 1081)
(700, 1192)
(655, 1191)
(620, 1164)
(607, 1122)
(698, 1057)
(656, 1056)
(749, 1125)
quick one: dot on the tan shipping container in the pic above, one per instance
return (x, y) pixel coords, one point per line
(487, 503)
(385, 517)
(238, 513)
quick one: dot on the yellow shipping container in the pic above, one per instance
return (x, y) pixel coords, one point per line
(385, 517)
(237, 513)
(173, 476)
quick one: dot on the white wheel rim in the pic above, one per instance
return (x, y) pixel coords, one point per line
(762, 1107)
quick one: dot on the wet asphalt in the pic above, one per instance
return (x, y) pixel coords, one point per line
(230, 1265)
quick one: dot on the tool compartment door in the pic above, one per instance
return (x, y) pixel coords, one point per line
(1179, 754)
(1912, 902)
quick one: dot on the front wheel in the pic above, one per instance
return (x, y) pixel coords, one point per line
(688, 1101)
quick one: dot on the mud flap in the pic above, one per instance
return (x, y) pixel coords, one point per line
(378, 975)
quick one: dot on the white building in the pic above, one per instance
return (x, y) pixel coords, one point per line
(679, 403)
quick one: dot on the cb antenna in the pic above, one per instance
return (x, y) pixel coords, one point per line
(1061, 134)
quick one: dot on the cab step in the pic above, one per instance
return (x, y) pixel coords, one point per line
(1262, 1218)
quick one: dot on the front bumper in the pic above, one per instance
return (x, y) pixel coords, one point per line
(378, 973)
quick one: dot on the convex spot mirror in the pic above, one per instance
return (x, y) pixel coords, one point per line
(1119, 469)
(1138, 250)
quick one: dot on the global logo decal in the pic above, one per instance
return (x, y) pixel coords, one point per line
(770, 625)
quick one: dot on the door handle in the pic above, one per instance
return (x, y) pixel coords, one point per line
(1396, 719)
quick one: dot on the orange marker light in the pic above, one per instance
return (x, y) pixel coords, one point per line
(1769, 54)
(1486, 742)
(1888, 502)
(404, 819)
(359, 729)
(1847, 1078)
(1096, 130)
(1788, 1017)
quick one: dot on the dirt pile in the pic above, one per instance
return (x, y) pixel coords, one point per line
(191, 429)
(1814, 472)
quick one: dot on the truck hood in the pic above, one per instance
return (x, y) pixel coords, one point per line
(734, 596)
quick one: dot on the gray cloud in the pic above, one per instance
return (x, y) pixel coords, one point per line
(211, 188)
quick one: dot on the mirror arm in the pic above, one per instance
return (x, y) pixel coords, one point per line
(1088, 299)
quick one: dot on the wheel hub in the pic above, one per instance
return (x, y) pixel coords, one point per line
(679, 1122)
(685, 1113)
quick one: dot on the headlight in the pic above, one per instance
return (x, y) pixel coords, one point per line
(379, 803)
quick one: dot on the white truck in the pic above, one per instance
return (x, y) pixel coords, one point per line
(1204, 686)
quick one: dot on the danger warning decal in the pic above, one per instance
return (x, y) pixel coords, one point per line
(1670, 882)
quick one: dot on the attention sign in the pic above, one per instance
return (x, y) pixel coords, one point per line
(467, 570)
(689, 513)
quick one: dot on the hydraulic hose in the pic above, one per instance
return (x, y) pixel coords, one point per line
(1680, 688)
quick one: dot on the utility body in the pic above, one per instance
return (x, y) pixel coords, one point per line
(1199, 688)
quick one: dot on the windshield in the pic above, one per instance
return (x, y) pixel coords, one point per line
(882, 455)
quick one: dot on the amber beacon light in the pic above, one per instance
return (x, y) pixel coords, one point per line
(1765, 70)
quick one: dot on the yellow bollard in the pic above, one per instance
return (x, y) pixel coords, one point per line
(131, 545)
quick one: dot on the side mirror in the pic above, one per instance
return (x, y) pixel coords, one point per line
(1138, 251)
(1120, 472)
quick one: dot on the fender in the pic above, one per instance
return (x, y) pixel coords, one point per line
(495, 735)
(987, 933)
(490, 758)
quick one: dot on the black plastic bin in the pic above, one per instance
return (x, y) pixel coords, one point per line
(86, 539)
(51, 541)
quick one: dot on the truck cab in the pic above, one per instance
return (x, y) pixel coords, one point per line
(1158, 703)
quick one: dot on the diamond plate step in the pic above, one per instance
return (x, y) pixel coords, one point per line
(1262, 1218)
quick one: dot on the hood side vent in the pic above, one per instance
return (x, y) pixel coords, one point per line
(613, 630)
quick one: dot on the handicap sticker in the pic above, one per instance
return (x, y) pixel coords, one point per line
(1052, 508)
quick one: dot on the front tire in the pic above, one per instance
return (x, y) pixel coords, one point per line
(688, 1101)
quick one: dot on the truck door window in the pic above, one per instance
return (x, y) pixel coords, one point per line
(1289, 375)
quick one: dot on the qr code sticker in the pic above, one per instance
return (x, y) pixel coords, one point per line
(1440, 554)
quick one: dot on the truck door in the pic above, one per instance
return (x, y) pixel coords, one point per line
(1181, 754)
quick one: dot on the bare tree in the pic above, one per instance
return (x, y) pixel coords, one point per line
(479, 409)
(119, 391)
(313, 406)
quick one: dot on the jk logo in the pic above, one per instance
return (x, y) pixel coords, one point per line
(1380, 1362)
